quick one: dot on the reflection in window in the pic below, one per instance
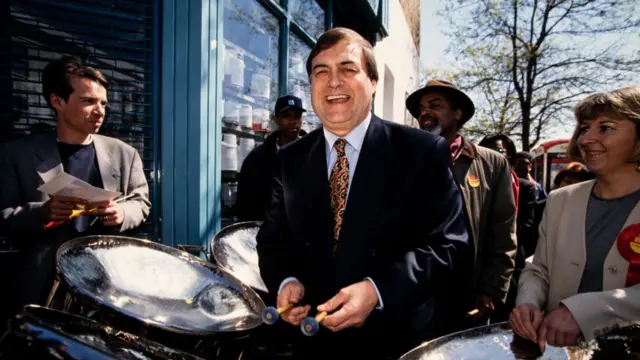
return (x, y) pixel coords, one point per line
(309, 15)
(299, 80)
(250, 64)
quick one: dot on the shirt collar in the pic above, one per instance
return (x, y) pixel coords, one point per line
(355, 138)
(88, 143)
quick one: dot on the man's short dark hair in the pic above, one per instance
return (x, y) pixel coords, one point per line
(57, 74)
(524, 155)
(490, 140)
(334, 36)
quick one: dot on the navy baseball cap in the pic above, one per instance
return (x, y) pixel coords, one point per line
(288, 102)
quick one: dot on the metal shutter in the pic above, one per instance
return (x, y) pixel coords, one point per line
(114, 36)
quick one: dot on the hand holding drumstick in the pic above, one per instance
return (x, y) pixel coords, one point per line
(350, 307)
(292, 293)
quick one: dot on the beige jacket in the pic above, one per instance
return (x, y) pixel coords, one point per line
(555, 273)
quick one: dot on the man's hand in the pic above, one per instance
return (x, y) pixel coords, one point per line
(292, 293)
(355, 302)
(111, 214)
(485, 306)
(559, 328)
(59, 208)
(525, 320)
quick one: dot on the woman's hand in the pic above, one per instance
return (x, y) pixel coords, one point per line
(525, 320)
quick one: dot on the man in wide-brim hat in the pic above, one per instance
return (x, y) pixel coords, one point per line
(463, 110)
(485, 181)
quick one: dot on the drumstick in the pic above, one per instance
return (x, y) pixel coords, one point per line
(76, 213)
(321, 316)
(310, 326)
(270, 314)
(473, 312)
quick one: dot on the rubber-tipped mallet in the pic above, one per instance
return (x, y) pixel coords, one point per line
(310, 325)
(271, 314)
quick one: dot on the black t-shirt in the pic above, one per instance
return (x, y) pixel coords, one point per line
(80, 161)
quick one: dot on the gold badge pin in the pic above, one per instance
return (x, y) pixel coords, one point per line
(473, 181)
(635, 245)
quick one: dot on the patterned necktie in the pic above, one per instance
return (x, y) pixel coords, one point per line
(339, 180)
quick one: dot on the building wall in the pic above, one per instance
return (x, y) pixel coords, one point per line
(397, 57)
(411, 9)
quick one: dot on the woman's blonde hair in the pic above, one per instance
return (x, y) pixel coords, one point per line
(622, 103)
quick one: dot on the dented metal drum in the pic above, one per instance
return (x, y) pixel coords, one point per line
(497, 342)
(42, 333)
(154, 291)
(234, 249)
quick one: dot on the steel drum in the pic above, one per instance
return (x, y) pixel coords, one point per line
(154, 291)
(234, 249)
(42, 333)
(497, 342)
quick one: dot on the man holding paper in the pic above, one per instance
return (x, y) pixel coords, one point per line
(72, 157)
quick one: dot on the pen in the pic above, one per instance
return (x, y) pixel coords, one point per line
(76, 213)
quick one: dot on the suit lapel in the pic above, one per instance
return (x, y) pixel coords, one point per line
(366, 201)
(110, 177)
(48, 163)
(579, 250)
(315, 187)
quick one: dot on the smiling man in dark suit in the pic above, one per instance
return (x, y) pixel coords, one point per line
(366, 221)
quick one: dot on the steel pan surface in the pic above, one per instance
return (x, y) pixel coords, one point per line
(158, 285)
(234, 249)
(496, 342)
(69, 336)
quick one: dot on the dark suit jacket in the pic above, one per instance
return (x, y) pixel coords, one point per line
(526, 225)
(403, 226)
(527, 234)
(254, 181)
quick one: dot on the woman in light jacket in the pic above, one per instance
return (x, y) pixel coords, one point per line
(580, 283)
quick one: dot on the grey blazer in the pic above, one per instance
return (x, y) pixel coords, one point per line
(28, 163)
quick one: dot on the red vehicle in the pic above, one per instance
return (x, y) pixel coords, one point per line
(549, 158)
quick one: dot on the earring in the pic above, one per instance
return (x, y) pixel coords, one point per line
(638, 165)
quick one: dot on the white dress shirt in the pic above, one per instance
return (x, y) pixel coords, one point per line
(354, 139)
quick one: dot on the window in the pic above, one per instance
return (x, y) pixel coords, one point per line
(299, 80)
(250, 88)
(308, 15)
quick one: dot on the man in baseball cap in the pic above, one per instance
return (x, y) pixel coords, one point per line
(485, 182)
(254, 182)
(288, 117)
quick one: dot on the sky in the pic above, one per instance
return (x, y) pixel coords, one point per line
(433, 45)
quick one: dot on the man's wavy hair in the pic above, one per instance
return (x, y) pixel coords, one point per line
(334, 36)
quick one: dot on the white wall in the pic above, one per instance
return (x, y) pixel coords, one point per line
(398, 67)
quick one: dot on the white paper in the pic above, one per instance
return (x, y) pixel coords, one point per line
(68, 185)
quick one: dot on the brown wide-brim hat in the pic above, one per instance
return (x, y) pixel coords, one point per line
(462, 101)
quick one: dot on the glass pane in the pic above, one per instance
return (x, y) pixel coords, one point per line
(250, 88)
(299, 81)
(250, 56)
(309, 15)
